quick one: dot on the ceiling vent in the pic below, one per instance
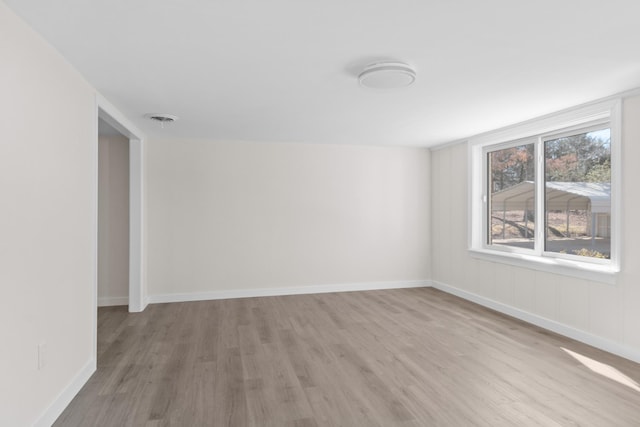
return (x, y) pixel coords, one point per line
(162, 118)
(387, 75)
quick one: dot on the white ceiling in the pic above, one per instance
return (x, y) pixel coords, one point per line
(285, 70)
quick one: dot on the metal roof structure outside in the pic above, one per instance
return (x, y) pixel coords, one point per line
(593, 196)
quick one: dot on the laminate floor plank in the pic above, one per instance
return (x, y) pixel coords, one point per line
(406, 357)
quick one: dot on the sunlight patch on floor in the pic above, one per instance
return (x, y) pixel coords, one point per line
(604, 370)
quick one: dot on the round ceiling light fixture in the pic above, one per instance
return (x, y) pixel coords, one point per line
(161, 118)
(387, 75)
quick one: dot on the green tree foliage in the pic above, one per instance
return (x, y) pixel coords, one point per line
(579, 158)
(600, 172)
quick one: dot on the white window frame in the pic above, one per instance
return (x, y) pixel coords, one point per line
(537, 131)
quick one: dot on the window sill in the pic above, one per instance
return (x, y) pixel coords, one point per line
(582, 270)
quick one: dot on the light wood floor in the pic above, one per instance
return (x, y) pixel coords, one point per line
(410, 357)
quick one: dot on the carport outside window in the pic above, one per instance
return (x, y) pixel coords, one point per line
(578, 193)
(545, 194)
(574, 185)
(512, 196)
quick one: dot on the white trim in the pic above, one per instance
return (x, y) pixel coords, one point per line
(94, 235)
(299, 290)
(552, 325)
(111, 115)
(66, 395)
(572, 119)
(112, 301)
(616, 185)
(136, 226)
(116, 119)
(566, 267)
(566, 119)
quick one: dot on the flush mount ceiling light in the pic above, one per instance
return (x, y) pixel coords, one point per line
(387, 75)
(162, 118)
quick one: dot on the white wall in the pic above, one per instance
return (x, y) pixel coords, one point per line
(47, 211)
(113, 220)
(241, 216)
(602, 314)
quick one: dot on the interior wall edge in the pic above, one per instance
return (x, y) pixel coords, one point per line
(299, 290)
(65, 397)
(551, 325)
(112, 301)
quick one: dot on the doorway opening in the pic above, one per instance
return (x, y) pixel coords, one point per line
(119, 278)
(113, 216)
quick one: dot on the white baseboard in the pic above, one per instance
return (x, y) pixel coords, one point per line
(66, 396)
(300, 290)
(111, 301)
(557, 327)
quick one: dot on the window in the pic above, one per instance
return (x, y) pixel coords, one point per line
(543, 194)
(577, 193)
(511, 218)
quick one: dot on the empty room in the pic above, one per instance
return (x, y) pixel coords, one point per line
(336, 213)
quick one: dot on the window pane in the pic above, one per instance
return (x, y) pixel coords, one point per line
(512, 196)
(578, 194)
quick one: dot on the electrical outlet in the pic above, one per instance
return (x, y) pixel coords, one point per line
(42, 347)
